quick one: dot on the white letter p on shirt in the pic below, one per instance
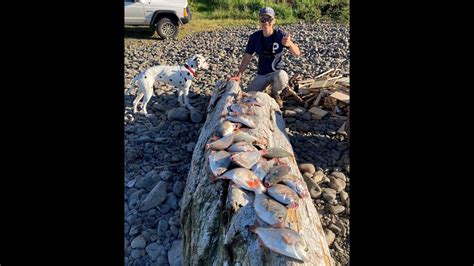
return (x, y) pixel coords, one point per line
(275, 47)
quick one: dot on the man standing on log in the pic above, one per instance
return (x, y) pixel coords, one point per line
(268, 43)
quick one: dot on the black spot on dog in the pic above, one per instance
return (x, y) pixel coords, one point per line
(180, 82)
(145, 76)
(188, 73)
(171, 80)
(161, 77)
(185, 80)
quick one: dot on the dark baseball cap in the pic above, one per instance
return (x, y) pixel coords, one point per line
(267, 11)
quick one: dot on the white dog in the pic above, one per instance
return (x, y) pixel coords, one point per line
(180, 77)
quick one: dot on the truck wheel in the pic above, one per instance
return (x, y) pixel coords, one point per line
(167, 28)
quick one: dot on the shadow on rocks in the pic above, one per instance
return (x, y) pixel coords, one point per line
(166, 106)
(141, 33)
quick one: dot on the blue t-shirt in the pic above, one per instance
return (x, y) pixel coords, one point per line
(269, 50)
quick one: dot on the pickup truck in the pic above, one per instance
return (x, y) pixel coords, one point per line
(162, 16)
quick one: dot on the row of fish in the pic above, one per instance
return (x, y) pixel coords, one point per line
(235, 156)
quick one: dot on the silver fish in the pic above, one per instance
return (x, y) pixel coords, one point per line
(276, 174)
(244, 178)
(284, 194)
(241, 146)
(227, 105)
(227, 127)
(296, 184)
(270, 211)
(244, 136)
(261, 168)
(284, 241)
(246, 159)
(277, 152)
(219, 161)
(222, 143)
(243, 119)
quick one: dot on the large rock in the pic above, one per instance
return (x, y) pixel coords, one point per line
(137, 253)
(337, 184)
(154, 250)
(134, 199)
(307, 168)
(196, 116)
(312, 186)
(174, 220)
(175, 254)
(339, 175)
(178, 114)
(172, 201)
(344, 196)
(330, 236)
(178, 188)
(164, 208)
(336, 209)
(314, 193)
(162, 226)
(329, 194)
(156, 196)
(138, 242)
(144, 181)
(161, 260)
(318, 176)
(165, 175)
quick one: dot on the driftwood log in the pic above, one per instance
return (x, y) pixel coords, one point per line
(215, 216)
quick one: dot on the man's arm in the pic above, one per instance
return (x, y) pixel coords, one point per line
(243, 66)
(294, 49)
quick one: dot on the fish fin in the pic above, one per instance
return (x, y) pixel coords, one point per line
(279, 224)
(287, 239)
(293, 205)
(278, 161)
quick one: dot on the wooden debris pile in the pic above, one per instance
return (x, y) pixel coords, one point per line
(327, 93)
